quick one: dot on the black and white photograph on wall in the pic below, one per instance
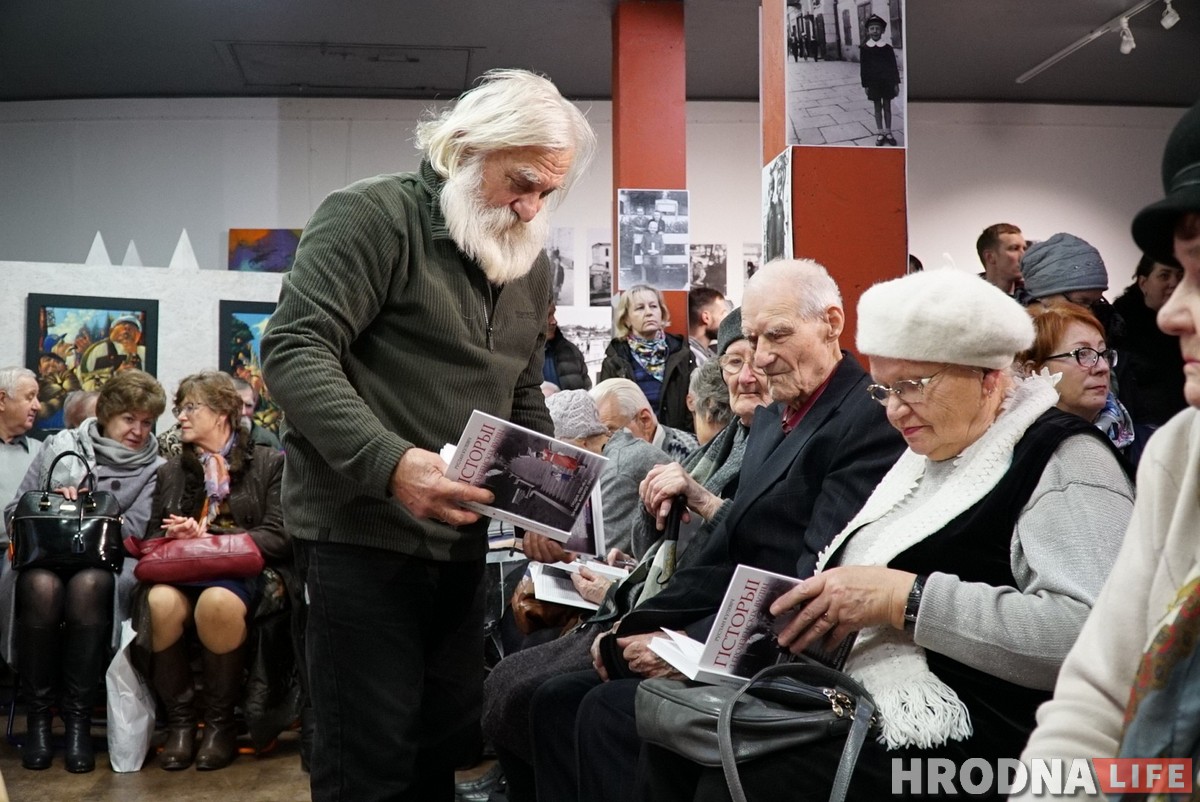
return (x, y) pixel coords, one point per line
(751, 259)
(590, 329)
(560, 250)
(777, 208)
(709, 267)
(844, 73)
(652, 232)
(600, 267)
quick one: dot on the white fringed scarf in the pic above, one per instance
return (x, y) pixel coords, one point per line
(917, 708)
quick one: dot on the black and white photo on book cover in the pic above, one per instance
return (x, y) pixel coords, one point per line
(744, 637)
(539, 483)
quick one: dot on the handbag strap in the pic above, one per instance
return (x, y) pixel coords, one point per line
(860, 726)
(87, 477)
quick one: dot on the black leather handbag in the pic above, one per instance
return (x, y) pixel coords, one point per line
(51, 531)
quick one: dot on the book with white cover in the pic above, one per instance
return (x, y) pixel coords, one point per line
(552, 581)
(540, 483)
(742, 641)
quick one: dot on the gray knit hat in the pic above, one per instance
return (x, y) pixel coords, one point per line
(574, 415)
(730, 331)
(943, 315)
(1063, 263)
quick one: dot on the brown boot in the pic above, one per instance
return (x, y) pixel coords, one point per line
(171, 674)
(222, 689)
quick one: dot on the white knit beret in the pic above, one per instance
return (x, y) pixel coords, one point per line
(945, 315)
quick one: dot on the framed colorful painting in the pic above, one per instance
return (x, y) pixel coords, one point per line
(263, 250)
(78, 342)
(241, 329)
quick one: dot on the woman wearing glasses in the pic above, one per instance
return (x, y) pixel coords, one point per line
(220, 483)
(972, 566)
(1069, 343)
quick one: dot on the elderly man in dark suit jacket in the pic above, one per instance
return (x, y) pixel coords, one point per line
(812, 458)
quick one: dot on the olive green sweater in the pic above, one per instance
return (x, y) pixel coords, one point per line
(386, 337)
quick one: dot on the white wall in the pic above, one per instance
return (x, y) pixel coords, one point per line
(144, 170)
(1082, 169)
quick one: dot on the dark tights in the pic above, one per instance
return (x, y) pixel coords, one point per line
(48, 599)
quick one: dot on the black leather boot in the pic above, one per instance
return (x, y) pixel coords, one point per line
(171, 675)
(38, 661)
(222, 689)
(85, 653)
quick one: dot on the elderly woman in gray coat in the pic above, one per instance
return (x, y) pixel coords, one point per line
(63, 624)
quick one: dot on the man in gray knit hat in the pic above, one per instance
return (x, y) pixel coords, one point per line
(414, 300)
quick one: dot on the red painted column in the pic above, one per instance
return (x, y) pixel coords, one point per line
(649, 113)
(849, 208)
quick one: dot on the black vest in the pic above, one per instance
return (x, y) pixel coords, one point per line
(976, 547)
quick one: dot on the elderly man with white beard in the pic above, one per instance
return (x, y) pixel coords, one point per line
(415, 298)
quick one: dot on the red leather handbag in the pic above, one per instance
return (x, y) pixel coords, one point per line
(196, 559)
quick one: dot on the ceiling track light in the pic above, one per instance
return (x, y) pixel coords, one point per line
(1169, 18)
(1127, 43)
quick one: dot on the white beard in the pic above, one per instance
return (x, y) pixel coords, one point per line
(494, 237)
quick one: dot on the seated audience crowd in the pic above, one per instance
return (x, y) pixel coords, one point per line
(956, 513)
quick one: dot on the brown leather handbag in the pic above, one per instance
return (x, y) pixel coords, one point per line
(532, 614)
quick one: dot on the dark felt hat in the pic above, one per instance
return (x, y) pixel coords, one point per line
(730, 331)
(877, 20)
(1154, 226)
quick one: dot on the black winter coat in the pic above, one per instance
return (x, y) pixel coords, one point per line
(568, 361)
(272, 697)
(677, 373)
(1149, 365)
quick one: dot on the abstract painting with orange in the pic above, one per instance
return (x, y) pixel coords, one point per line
(263, 250)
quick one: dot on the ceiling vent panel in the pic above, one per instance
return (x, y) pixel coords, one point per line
(351, 67)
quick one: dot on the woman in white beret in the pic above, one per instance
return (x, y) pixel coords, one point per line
(969, 571)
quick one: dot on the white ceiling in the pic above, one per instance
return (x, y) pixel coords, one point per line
(957, 50)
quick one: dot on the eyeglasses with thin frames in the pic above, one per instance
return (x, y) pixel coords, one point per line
(732, 365)
(187, 409)
(909, 391)
(1088, 357)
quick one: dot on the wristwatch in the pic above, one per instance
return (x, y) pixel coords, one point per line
(914, 602)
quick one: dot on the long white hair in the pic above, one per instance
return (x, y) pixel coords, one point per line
(508, 109)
